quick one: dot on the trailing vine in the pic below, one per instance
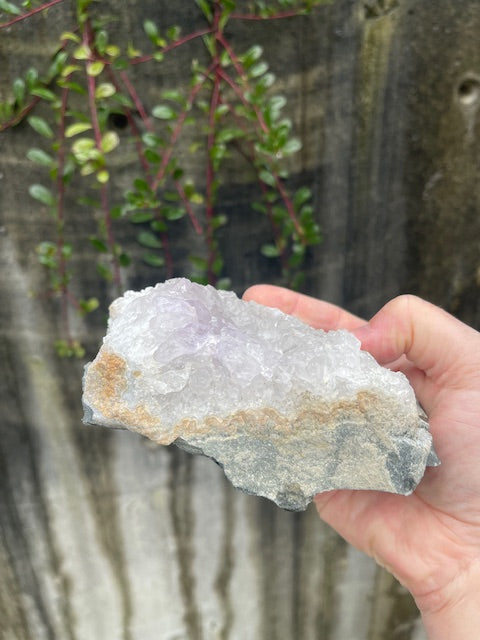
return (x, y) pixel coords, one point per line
(230, 105)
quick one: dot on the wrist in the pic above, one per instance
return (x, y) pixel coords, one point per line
(454, 611)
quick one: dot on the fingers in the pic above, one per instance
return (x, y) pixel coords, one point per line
(433, 341)
(317, 313)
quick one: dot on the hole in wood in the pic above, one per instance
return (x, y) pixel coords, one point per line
(468, 91)
(118, 120)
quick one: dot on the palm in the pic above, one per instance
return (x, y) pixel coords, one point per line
(415, 536)
(428, 538)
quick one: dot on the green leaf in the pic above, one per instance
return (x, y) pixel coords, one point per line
(101, 40)
(105, 90)
(19, 90)
(217, 265)
(68, 35)
(105, 272)
(306, 213)
(219, 221)
(158, 225)
(67, 250)
(174, 95)
(153, 259)
(251, 56)
(270, 251)
(132, 52)
(229, 134)
(301, 196)
(57, 65)
(42, 92)
(123, 100)
(206, 9)
(73, 86)
(47, 252)
(196, 198)
(173, 33)
(42, 194)
(109, 141)
(40, 126)
(164, 112)
(31, 78)
(225, 59)
(151, 140)
(199, 279)
(84, 149)
(87, 306)
(292, 146)
(121, 64)
(82, 52)
(178, 173)
(149, 239)
(258, 70)
(116, 212)
(174, 213)
(103, 176)
(152, 156)
(298, 248)
(69, 69)
(40, 157)
(9, 8)
(267, 177)
(228, 6)
(280, 213)
(112, 50)
(276, 103)
(199, 263)
(224, 284)
(124, 259)
(210, 43)
(98, 244)
(77, 127)
(265, 82)
(141, 185)
(151, 30)
(95, 68)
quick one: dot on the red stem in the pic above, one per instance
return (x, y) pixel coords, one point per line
(210, 173)
(231, 82)
(189, 208)
(136, 100)
(178, 128)
(250, 157)
(243, 75)
(275, 16)
(20, 116)
(91, 85)
(288, 204)
(172, 45)
(141, 156)
(261, 121)
(62, 269)
(43, 7)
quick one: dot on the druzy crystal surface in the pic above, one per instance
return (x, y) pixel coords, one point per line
(286, 410)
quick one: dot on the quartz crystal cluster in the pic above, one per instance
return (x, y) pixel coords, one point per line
(286, 410)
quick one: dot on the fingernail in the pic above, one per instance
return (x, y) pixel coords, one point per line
(363, 332)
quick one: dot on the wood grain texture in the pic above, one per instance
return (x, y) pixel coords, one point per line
(105, 536)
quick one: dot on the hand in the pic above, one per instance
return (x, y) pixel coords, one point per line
(430, 540)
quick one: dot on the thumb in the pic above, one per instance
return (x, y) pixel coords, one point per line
(431, 339)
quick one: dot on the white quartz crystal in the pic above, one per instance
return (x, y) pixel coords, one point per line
(259, 391)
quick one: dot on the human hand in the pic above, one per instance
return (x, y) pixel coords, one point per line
(429, 540)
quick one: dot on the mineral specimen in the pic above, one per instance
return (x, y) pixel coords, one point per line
(286, 410)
